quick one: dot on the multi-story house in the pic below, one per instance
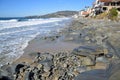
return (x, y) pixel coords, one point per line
(85, 12)
(108, 4)
(100, 6)
(105, 5)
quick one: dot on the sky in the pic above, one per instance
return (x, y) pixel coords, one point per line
(21, 8)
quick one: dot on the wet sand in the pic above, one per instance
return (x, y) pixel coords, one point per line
(45, 46)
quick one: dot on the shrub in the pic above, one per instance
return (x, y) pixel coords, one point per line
(113, 14)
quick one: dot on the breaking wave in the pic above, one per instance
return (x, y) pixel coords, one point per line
(15, 35)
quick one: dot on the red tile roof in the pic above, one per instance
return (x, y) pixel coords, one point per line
(85, 13)
(108, 0)
(105, 0)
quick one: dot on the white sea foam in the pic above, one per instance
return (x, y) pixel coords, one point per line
(6, 21)
(14, 36)
(12, 32)
(28, 23)
(35, 19)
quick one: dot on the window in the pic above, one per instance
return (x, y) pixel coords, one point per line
(104, 8)
(118, 3)
(118, 9)
(106, 4)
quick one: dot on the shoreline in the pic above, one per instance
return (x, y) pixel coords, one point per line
(92, 47)
(47, 44)
(12, 50)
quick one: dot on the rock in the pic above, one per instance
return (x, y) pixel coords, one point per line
(113, 71)
(92, 75)
(39, 66)
(3, 73)
(64, 65)
(87, 38)
(46, 74)
(38, 54)
(87, 61)
(46, 68)
(87, 53)
(47, 56)
(75, 72)
(56, 78)
(69, 39)
(99, 40)
(109, 55)
(81, 69)
(36, 77)
(57, 36)
(47, 64)
(82, 51)
(31, 75)
(26, 75)
(102, 59)
(8, 70)
(5, 78)
(105, 51)
(89, 50)
(18, 67)
(100, 65)
(115, 76)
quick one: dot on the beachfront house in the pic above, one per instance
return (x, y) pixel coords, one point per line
(86, 12)
(100, 6)
(97, 7)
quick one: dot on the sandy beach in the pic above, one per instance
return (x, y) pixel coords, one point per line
(60, 40)
(46, 46)
(49, 44)
(80, 49)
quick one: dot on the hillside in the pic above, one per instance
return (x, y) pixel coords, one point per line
(56, 14)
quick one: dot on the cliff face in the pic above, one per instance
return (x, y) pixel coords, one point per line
(56, 14)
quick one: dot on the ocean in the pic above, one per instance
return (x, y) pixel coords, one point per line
(15, 33)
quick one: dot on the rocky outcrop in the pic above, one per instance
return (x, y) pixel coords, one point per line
(92, 75)
(61, 66)
(97, 58)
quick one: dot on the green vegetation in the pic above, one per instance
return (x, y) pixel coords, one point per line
(113, 14)
(103, 15)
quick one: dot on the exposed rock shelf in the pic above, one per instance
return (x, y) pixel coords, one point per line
(97, 58)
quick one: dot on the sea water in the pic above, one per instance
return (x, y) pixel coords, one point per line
(16, 33)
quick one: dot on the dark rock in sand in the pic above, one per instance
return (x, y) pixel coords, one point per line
(31, 75)
(83, 51)
(113, 71)
(92, 75)
(18, 67)
(3, 73)
(90, 51)
(115, 76)
(109, 55)
(98, 51)
(5, 78)
(47, 56)
(81, 69)
(102, 59)
(7, 70)
(88, 61)
(47, 64)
